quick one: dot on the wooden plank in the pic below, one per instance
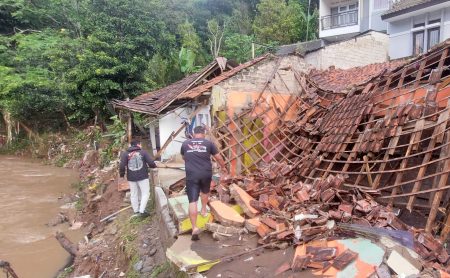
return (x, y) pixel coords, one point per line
(369, 176)
(420, 73)
(399, 175)
(172, 136)
(446, 230)
(438, 196)
(387, 154)
(443, 118)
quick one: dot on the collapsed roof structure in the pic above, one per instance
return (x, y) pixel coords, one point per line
(387, 134)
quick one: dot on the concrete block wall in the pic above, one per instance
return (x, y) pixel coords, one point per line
(359, 51)
(252, 80)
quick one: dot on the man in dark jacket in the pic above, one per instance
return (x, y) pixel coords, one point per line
(197, 154)
(136, 162)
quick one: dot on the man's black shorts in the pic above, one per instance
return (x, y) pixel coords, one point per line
(195, 185)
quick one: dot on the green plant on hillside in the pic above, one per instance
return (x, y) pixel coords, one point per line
(116, 136)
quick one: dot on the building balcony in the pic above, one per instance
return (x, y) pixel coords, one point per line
(340, 25)
(339, 20)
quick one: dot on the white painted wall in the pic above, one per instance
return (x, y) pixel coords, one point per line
(369, 19)
(325, 10)
(172, 122)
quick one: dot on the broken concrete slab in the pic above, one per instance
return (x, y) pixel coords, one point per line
(225, 214)
(402, 263)
(217, 228)
(243, 199)
(252, 224)
(180, 211)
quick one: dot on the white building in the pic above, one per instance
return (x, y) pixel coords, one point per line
(343, 19)
(415, 26)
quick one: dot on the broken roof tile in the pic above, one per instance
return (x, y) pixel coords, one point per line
(337, 80)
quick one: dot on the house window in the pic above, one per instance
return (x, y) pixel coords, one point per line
(434, 21)
(343, 9)
(418, 42)
(341, 16)
(381, 4)
(433, 37)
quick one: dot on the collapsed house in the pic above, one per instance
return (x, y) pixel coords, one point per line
(349, 146)
(387, 134)
(176, 109)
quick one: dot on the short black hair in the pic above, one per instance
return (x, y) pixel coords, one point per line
(199, 130)
(135, 142)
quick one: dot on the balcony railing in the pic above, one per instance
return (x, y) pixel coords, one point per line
(339, 20)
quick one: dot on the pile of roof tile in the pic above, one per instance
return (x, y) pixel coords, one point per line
(274, 206)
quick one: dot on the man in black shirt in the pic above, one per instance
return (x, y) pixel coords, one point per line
(136, 162)
(197, 154)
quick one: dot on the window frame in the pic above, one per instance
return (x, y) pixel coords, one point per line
(414, 42)
(429, 30)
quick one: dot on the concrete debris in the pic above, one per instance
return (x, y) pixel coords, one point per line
(402, 264)
(225, 214)
(327, 212)
(220, 229)
(243, 199)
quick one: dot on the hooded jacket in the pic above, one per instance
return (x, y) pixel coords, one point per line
(136, 162)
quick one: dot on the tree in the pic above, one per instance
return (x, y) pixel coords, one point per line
(238, 47)
(215, 37)
(282, 22)
(124, 35)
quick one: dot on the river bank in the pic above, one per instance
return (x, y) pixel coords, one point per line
(32, 195)
(116, 248)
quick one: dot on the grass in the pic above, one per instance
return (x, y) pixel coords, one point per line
(166, 269)
(66, 272)
(131, 272)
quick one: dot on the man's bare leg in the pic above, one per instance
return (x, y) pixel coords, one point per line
(204, 197)
(193, 217)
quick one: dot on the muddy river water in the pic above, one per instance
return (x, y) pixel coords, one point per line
(29, 198)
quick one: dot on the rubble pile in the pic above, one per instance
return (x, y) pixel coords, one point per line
(283, 212)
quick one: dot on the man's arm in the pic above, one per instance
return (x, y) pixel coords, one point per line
(150, 162)
(219, 159)
(123, 163)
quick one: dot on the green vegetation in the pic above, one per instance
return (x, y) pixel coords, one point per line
(63, 61)
(66, 272)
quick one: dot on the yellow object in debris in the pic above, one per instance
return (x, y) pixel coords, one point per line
(182, 255)
(205, 267)
(238, 209)
(93, 187)
(186, 226)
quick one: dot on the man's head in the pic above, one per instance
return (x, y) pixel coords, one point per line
(199, 132)
(135, 142)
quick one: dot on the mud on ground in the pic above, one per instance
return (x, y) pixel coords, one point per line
(119, 247)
